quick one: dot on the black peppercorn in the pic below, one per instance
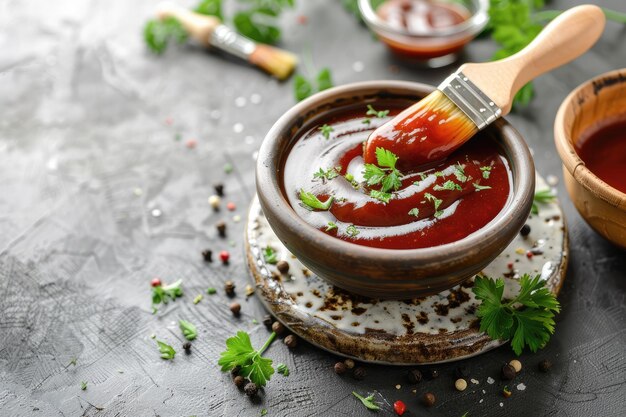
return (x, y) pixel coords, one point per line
(229, 288)
(283, 267)
(235, 371)
(359, 373)
(267, 321)
(340, 368)
(278, 328)
(239, 381)
(235, 308)
(291, 341)
(219, 189)
(525, 231)
(414, 376)
(432, 373)
(207, 255)
(187, 347)
(251, 389)
(545, 365)
(221, 228)
(460, 372)
(508, 372)
(429, 399)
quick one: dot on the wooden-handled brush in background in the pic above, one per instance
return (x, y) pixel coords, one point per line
(477, 94)
(209, 31)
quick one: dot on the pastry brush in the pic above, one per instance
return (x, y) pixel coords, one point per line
(477, 94)
(209, 31)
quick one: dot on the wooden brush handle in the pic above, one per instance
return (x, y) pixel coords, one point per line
(567, 37)
(199, 26)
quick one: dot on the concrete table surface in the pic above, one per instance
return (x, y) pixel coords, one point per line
(97, 197)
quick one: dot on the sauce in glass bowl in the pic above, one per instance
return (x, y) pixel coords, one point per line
(330, 187)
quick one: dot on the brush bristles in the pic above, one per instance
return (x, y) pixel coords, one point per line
(459, 127)
(277, 62)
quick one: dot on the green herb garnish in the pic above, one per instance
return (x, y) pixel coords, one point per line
(326, 130)
(486, 171)
(83, 385)
(366, 121)
(352, 231)
(459, 172)
(259, 22)
(530, 325)
(270, 256)
(377, 113)
(385, 173)
(263, 412)
(542, 197)
(198, 298)
(414, 212)
(328, 174)
(367, 401)
(159, 33)
(381, 196)
(282, 369)
(331, 226)
(210, 8)
(189, 330)
(436, 203)
(239, 352)
(448, 185)
(211, 291)
(311, 202)
(479, 187)
(167, 352)
(303, 88)
(164, 293)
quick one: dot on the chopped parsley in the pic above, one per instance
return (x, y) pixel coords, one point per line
(331, 226)
(189, 330)
(328, 174)
(486, 171)
(385, 173)
(479, 187)
(239, 352)
(459, 173)
(377, 113)
(367, 401)
(211, 291)
(158, 33)
(83, 385)
(352, 231)
(448, 185)
(501, 319)
(311, 202)
(436, 202)
(282, 369)
(270, 256)
(165, 293)
(366, 121)
(326, 130)
(414, 212)
(303, 88)
(381, 196)
(167, 352)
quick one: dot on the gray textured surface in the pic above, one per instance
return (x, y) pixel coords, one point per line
(82, 125)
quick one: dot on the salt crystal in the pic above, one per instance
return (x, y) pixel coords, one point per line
(156, 212)
(481, 401)
(501, 404)
(238, 128)
(474, 381)
(521, 386)
(490, 380)
(398, 386)
(240, 101)
(137, 191)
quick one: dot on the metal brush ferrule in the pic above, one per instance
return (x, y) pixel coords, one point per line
(470, 99)
(229, 41)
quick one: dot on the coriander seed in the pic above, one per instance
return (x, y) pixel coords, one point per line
(429, 399)
(508, 372)
(414, 376)
(283, 267)
(291, 341)
(349, 363)
(235, 308)
(460, 384)
(545, 365)
(517, 365)
(278, 328)
(214, 202)
(251, 389)
(359, 373)
(239, 381)
(340, 368)
(229, 288)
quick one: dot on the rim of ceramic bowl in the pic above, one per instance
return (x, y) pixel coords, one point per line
(564, 140)
(269, 161)
(477, 21)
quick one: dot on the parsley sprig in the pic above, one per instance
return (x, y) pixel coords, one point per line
(189, 330)
(159, 33)
(270, 255)
(165, 293)
(385, 174)
(167, 352)
(239, 352)
(328, 174)
(367, 401)
(531, 325)
(311, 202)
(371, 111)
(303, 87)
(542, 197)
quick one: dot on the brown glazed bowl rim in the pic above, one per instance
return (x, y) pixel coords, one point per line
(268, 182)
(564, 142)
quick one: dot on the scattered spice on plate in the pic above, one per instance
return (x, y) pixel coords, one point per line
(525, 231)
(228, 168)
(191, 143)
(251, 389)
(506, 392)
(239, 352)
(231, 206)
(368, 401)
(224, 257)
(167, 352)
(189, 330)
(432, 374)
(414, 376)
(156, 282)
(198, 298)
(517, 365)
(211, 291)
(349, 363)
(249, 290)
(83, 385)
(221, 228)
(239, 381)
(219, 189)
(507, 372)
(399, 407)
(429, 399)
(207, 255)
(282, 369)
(283, 267)
(235, 308)
(229, 288)
(291, 341)
(340, 368)
(460, 384)
(278, 328)
(187, 347)
(215, 201)
(267, 321)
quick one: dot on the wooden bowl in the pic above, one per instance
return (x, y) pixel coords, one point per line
(387, 273)
(602, 206)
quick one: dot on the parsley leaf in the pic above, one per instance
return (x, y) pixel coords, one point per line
(459, 173)
(331, 226)
(326, 130)
(329, 174)
(259, 22)
(486, 171)
(167, 352)
(239, 352)
(210, 8)
(270, 256)
(164, 293)
(542, 197)
(381, 196)
(414, 212)
(377, 113)
(367, 401)
(385, 173)
(282, 369)
(311, 202)
(352, 231)
(158, 33)
(303, 88)
(448, 185)
(531, 325)
(83, 385)
(479, 187)
(189, 330)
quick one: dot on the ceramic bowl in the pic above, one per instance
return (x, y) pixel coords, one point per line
(602, 206)
(387, 273)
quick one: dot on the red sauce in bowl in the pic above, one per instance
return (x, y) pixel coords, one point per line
(421, 17)
(603, 149)
(442, 204)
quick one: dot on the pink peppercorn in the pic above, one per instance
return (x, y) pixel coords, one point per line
(399, 407)
(156, 282)
(231, 206)
(191, 143)
(529, 255)
(224, 256)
